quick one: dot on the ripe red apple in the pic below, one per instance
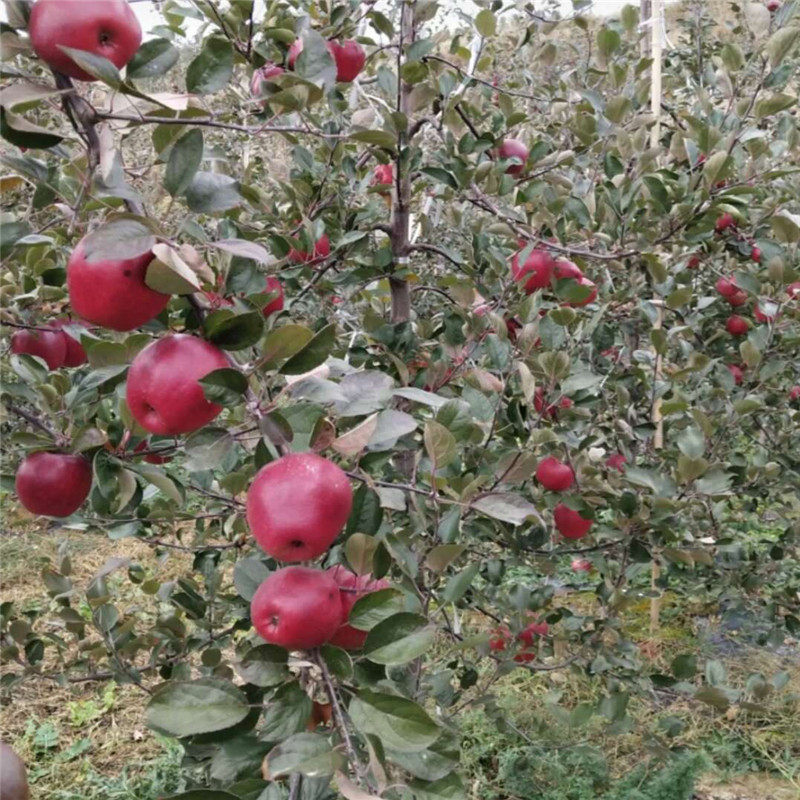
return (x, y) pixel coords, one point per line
(499, 639)
(151, 458)
(581, 565)
(564, 268)
(726, 286)
(584, 281)
(570, 524)
(298, 608)
(349, 57)
(46, 344)
(383, 175)
(295, 48)
(765, 311)
(737, 326)
(352, 587)
(107, 28)
(76, 355)
(273, 285)
(555, 475)
(297, 505)
(755, 254)
(793, 290)
(724, 221)
(517, 151)
(737, 372)
(535, 273)
(616, 461)
(550, 410)
(112, 293)
(527, 637)
(693, 262)
(773, 6)
(163, 392)
(322, 249)
(261, 84)
(53, 484)
(794, 393)
(737, 299)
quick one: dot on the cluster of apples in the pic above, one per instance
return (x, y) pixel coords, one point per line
(539, 269)
(296, 507)
(163, 390)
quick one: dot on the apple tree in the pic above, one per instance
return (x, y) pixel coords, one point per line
(388, 315)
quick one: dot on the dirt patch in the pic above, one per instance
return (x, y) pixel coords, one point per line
(750, 787)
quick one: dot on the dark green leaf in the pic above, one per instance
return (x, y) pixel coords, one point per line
(399, 723)
(184, 161)
(224, 386)
(212, 68)
(211, 191)
(236, 331)
(154, 58)
(312, 354)
(306, 753)
(399, 639)
(97, 66)
(185, 708)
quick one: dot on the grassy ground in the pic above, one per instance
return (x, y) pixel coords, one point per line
(75, 739)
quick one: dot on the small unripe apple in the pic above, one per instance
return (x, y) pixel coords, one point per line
(570, 524)
(517, 152)
(724, 221)
(737, 372)
(297, 608)
(352, 587)
(107, 28)
(273, 285)
(581, 565)
(48, 345)
(76, 355)
(297, 505)
(53, 484)
(555, 475)
(535, 273)
(616, 461)
(322, 249)
(112, 293)
(163, 389)
(737, 326)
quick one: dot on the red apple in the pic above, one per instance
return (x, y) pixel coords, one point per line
(566, 269)
(112, 293)
(352, 587)
(616, 461)
(217, 301)
(516, 151)
(765, 311)
(527, 637)
(737, 299)
(592, 293)
(499, 639)
(297, 505)
(794, 393)
(53, 484)
(737, 326)
(555, 475)
(295, 48)
(550, 410)
(755, 254)
(76, 355)
(570, 524)
(273, 285)
(693, 262)
(298, 608)
(382, 175)
(349, 57)
(737, 372)
(773, 6)
(163, 392)
(535, 273)
(261, 84)
(48, 345)
(793, 290)
(724, 221)
(107, 28)
(152, 458)
(322, 249)
(581, 565)
(726, 287)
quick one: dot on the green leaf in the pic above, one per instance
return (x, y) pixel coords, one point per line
(203, 794)
(184, 161)
(211, 191)
(459, 583)
(212, 68)
(206, 449)
(379, 138)
(440, 444)
(312, 354)
(286, 713)
(767, 106)
(485, 23)
(442, 176)
(234, 331)
(168, 273)
(421, 396)
(507, 507)
(400, 724)
(781, 43)
(307, 753)
(443, 555)
(186, 708)
(120, 237)
(399, 639)
(18, 131)
(713, 696)
(154, 58)
(662, 485)
(692, 442)
(684, 666)
(715, 673)
(284, 342)
(608, 41)
(161, 481)
(224, 386)
(375, 607)
(359, 549)
(449, 788)
(248, 574)
(315, 62)
(97, 66)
